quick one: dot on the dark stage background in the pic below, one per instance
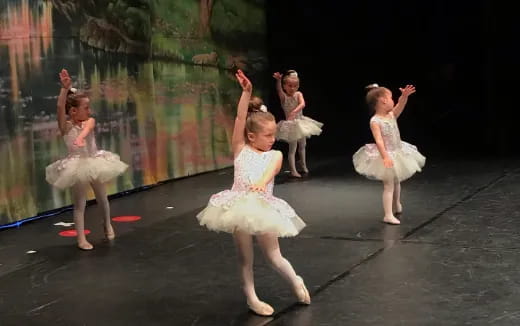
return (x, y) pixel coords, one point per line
(461, 55)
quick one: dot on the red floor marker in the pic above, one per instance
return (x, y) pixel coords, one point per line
(126, 218)
(71, 233)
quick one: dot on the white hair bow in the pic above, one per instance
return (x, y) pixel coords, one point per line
(263, 108)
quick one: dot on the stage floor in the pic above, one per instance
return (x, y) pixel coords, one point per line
(453, 261)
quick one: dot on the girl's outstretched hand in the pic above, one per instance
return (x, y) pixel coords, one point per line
(407, 90)
(244, 81)
(66, 81)
(277, 76)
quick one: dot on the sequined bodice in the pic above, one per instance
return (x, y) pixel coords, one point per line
(389, 131)
(90, 148)
(249, 169)
(289, 104)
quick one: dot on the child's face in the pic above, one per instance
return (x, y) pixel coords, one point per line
(82, 112)
(264, 139)
(386, 101)
(291, 86)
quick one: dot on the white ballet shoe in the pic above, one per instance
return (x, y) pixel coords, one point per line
(391, 220)
(260, 308)
(302, 293)
(109, 232)
(85, 245)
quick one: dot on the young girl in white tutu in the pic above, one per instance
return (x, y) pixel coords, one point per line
(85, 165)
(389, 159)
(297, 127)
(249, 208)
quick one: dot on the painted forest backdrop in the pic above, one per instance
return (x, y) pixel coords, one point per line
(160, 78)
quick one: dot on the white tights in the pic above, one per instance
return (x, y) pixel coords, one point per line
(300, 144)
(271, 250)
(391, 198)
(79, 196)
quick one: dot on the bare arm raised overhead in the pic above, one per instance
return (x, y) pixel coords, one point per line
(66, 84)
(279, 90)
(238, 139)
(403, 99)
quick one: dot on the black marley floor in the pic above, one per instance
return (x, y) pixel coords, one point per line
(453, 261)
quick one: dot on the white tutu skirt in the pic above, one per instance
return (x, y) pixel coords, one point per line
(407, 161)
(103, 167)
(251, 212)
(292, 130)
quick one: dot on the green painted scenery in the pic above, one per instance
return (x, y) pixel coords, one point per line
(159, 75)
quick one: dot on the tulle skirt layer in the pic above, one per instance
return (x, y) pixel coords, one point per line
(406, 162)
(251, 212)
(103, 167)
(292, 130)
